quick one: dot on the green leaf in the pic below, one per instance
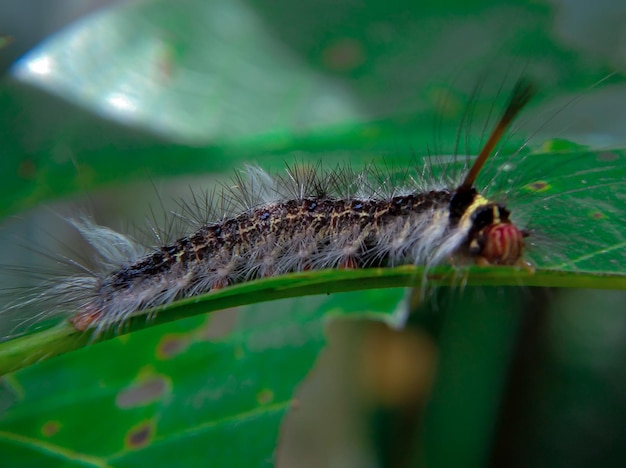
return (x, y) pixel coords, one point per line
(243, 365)
(150, 91)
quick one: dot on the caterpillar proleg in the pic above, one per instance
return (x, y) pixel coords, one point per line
(294, 222)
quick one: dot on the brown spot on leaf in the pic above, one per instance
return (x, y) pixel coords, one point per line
(139, 436)
(50, 428)
(265, 396)
(143, 393)
(597, 215)
(171, 345)
(219, 325)
(538, 186)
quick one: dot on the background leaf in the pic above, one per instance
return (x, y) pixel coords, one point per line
(148, 91)
(243, 364)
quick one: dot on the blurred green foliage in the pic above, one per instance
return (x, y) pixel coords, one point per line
(148, 90)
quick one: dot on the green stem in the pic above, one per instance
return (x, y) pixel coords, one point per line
(27, 350)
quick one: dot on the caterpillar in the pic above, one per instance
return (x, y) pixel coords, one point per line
(311, 218)
(293, 222)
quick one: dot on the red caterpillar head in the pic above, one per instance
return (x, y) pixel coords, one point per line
(503, 244)
(494, 239)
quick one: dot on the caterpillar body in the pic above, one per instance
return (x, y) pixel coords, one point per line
(296, 222)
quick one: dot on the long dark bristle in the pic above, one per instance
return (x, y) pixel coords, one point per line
(523, 91)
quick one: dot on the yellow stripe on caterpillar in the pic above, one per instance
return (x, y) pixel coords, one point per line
(466, 220)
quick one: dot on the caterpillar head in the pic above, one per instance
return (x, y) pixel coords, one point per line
(494, 239)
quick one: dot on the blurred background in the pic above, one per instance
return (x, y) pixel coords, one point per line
(109, 107)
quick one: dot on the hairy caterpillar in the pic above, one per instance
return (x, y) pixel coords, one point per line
(296, 222)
